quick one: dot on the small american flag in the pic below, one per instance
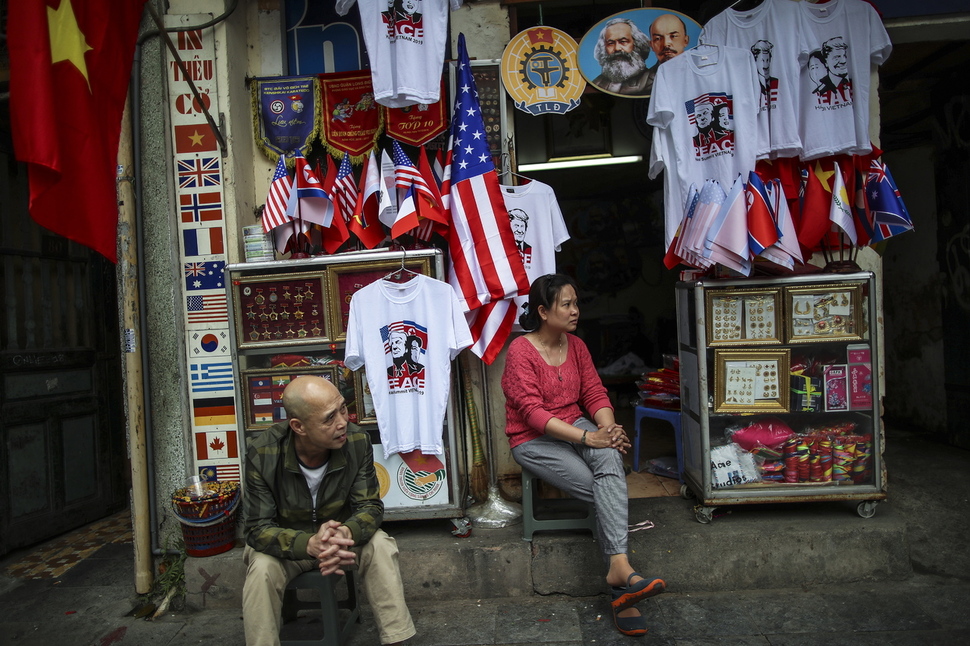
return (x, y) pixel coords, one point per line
(207, 309)
(406, 174)
(346, 188)
(274, 214)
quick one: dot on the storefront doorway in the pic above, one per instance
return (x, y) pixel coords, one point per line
(61, 405)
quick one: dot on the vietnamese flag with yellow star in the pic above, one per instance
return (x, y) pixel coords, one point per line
(70, 62)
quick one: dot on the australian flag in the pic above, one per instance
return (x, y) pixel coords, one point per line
(888, 214)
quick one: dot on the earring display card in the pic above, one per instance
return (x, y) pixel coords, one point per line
(743, 317)
(752, 381)
(280, 309)
(824, 312)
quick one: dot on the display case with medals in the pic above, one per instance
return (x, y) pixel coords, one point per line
(345, 280)
(263, 400)
(281, 309)
(303, 305)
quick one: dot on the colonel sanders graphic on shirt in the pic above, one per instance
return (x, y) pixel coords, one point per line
(404, 345)
(713, 121)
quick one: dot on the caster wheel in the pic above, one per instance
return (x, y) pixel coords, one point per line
(461, 527)
(704, 515)
(685, 492)
(866, 508)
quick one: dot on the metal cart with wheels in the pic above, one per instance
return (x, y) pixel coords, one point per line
(798, 353)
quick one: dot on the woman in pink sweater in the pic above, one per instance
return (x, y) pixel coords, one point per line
(549, 381)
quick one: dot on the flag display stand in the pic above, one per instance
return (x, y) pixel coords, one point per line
(272, 349)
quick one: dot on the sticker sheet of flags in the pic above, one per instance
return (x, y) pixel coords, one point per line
(753, 218)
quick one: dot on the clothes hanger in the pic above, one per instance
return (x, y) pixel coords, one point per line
(507, 164)
(402, 274)
(745, 5)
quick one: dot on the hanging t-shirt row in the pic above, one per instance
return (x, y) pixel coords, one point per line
(813, 67)
(754, 89)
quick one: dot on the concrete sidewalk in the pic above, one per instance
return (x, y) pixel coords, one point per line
(761, 574)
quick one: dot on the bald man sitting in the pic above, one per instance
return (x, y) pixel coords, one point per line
(312, 502)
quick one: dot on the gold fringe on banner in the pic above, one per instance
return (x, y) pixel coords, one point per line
(289, 110)
(352, 120)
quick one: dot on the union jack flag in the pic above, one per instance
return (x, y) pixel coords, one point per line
(200, 172)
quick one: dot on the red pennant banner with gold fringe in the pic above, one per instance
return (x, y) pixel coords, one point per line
(417, 124)
(352, 120)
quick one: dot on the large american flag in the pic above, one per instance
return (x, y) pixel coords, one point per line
(484, 264)
(274, 213)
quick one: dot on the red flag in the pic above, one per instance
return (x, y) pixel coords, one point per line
(672, 258)
(788, 172)
(69, 71)
(195, 138)
(427, 198)
(816, 203)
(762, 232)
(431, 206)
(364, 223)
(336, 234)
(310, 200)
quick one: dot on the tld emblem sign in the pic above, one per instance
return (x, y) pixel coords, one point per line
(540, 71)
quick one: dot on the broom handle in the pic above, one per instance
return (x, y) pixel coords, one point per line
(492, 475)
(478, 457)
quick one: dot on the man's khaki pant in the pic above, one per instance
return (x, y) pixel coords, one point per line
(380, 577)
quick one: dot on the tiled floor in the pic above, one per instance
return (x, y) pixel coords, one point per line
(52, 559)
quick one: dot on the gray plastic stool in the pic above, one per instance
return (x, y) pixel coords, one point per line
(335, 632)
(531, 524)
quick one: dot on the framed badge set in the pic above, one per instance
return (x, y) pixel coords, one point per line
(308, 308)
